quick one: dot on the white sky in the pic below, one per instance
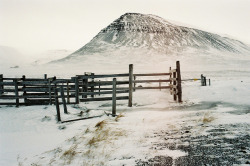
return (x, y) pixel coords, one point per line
(34, 26)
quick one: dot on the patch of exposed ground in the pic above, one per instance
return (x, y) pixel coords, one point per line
(221, 145)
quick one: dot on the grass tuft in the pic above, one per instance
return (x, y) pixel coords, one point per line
(92, 141)
(70, 154)
(207, 118)
(117, 118)
(100, 124)
(87, 131)
(103, 135)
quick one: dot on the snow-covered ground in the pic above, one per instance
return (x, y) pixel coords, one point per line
(211, 121)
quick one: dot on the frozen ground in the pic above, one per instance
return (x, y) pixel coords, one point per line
(210, 127)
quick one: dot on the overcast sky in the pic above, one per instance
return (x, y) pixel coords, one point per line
(33, 26)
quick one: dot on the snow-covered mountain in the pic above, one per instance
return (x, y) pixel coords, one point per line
(133, 31)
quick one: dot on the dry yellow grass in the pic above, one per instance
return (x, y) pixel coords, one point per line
(100, 125)
(105, 134)
(92, 141)
(69, 154)
(207, 118)
(101, 135)
(117, 118)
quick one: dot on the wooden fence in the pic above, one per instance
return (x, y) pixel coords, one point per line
(85, 88)
(33, 91)
(204, 81)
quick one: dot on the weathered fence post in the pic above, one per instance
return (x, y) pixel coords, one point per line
(55, 86)
(202, 80)
(160, 85)
(68, 98)
(92, 80)
(99, 87)
(170, 83)
(174, 83)
(50, 99)
(64, 101)
(130, 85)
(76, 90)
(86, 85)
(179, 90)
(1, 86)
(57, 106)
(46, 79)
(114, 98)
(24, 91)
(83, 86)
(16, 92)
(55, 94)
(134, 83)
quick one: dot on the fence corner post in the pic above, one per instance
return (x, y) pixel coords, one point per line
(130, 98)
(114, 98)
(179, 89)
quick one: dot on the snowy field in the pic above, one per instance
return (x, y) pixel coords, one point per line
(211, 126)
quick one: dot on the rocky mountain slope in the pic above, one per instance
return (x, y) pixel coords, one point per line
(134, 31)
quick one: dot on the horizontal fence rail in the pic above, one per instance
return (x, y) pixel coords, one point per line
(104, 92)
(102, 76)
(104, 99)
(148, 81)
(162, 87)
(85, 88)
(152, 74)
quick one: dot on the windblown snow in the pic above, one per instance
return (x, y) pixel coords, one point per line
(210, 127)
